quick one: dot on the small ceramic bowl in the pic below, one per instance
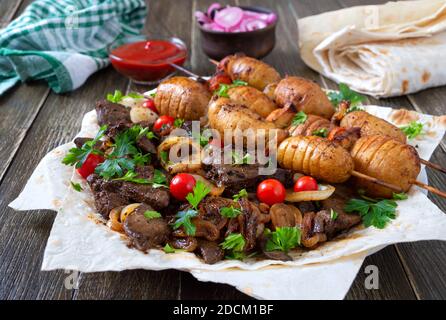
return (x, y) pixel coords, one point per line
(256, 43)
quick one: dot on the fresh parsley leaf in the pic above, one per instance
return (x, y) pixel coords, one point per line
(322, 132)
(223, 88)
(184, 220)
(230, 212)
(76, 186)
(178, 122)
(77, 156)
(238, 159)
(234, 243)
(153, 94)
(151, 214)
(333, 214)
(203, 140)
(400, 196)
(168, 249)
(164, 156)
(413, 129)
(238, 83)
(150, 135)
(114, 167)
(241, 194)
(198, 193)
(283, 239)
(299, 118)
(373, 213)
(116, 97)
(345, 93)
(159, 179)
(141, 159)
(131, 176)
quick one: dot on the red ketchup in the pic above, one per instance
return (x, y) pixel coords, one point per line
(148, 61)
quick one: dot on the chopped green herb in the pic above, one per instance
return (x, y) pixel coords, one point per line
(114, 167)
(373, 212)
(164, 156)
(150, 135)
(345, 94)
(299, 118)
(238, 159)
(204, 141)
(322, 132)
(77, 156)
(413, 129)
(283, 239)
(153, 94)
(184, 220)
(333, 214)
(115, 97)
(178, 122)
(234, 245)
(133, 95)
(230, 212)
(223, 88)
(141, 159)
(158, 180)
(76, 186)
(400, 196)
(151, 214)
(131, 176)
(241, 194)
(198, 193)
(168, 249)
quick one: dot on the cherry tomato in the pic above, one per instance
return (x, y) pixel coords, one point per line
(150, 104)
(181, 185)
(217, 79)
(163, 122)
(90, 164)
(305, 183)
(334, 132)
(271, 191)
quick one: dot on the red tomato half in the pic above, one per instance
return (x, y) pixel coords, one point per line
(90, 164)
(150, 104)
(163, 122)
(271, 191)
(305, 183)
(181, 185)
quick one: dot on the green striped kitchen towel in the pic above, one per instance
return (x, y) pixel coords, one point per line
(65, 41)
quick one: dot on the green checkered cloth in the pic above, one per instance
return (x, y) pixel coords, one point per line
(65, 41)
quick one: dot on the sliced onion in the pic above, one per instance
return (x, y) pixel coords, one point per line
(202, 17)
(215, 191)
(128, 210)
(213, 27)
(212, 7)
(324, 192)
(114, 222)
(252, 24)
(228, 17)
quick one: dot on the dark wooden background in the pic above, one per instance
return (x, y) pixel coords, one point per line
(34, 120)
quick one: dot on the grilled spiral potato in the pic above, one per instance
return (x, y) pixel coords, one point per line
(371, 125)
(315, 156)
(305, 95)
(256, 73)
(183, 98)
(310, 125)
(386, 159)
(225, 114)
(252, 98)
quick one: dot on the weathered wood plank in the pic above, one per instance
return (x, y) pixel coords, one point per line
(8, 10)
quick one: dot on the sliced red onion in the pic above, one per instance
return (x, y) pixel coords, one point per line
(252, 24)
(228, 17)
(213, 27)
(212, 7)
(202, 18)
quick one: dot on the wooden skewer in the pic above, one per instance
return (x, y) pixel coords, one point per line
(433, 165)
(376, 181)
(429, 188)
(396, 188)
(188, 72)
(214, 61)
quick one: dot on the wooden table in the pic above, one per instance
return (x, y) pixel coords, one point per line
(35, 120)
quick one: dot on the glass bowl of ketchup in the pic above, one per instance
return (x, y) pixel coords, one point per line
(146, 61)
